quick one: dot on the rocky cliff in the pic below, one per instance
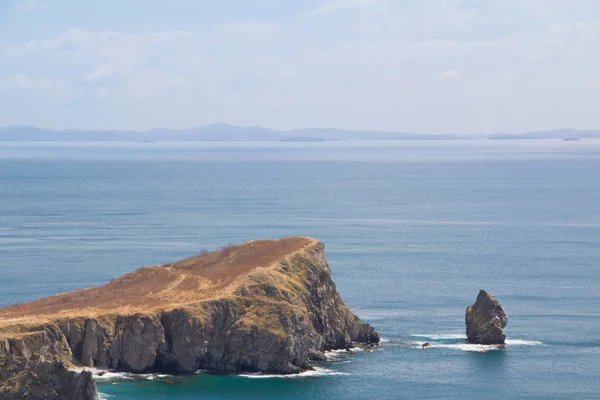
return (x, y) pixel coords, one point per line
(263, 306)
(45, 381)
(486, 320)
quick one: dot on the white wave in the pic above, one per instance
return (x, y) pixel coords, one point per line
(107, 375)
(104, 396)
(476, 348)
(153, 377)
(318, 371)
(522, 342)
(335, 354)
(459, 343)
(442, 336)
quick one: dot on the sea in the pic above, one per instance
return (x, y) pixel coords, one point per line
(412, 231)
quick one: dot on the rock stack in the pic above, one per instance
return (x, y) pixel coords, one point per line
(486, 320)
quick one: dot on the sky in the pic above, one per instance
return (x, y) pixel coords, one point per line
(422, 66)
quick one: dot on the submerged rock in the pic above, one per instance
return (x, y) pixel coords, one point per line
(263, 306)
(486, 320)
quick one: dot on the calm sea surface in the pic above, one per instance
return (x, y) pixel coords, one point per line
(412, 231)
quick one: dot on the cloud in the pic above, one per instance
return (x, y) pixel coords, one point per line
(100, 72)
(30, 6)
(25, 81)
(286, 73)
(244, 28)
(452, 45)
(77, 39)
(332, 6)
(311, 68)
(109, 57)
(53, 89)
(449, 74)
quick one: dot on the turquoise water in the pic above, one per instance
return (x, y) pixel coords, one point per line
(412, 231)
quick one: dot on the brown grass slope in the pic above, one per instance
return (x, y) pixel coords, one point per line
(194, 279)
(265, 305)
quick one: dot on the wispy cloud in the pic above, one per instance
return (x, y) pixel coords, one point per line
(287, 73)
(25, 81)
(244, 28)
(85, 39)
(100, 72)
(332, 6)
(450, 74)
(106, 62)
(30, 6)
(53, 89)
(312, 67)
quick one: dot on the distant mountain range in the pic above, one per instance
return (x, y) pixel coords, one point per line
(231, 133)
(569, 134)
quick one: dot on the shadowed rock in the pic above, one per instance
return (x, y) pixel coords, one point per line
(45, 381)
(486, 320)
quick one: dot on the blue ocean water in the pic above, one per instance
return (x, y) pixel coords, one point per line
(412, 231)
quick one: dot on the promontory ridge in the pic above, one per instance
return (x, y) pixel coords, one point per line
(263, 306)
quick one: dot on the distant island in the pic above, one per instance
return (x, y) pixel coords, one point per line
(231, 133)
(264, 306)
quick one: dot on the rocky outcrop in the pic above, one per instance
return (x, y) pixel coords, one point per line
(486, 320)
(31, 367)
(45, 381)
(264, 306)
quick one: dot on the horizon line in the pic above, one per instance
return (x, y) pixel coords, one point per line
(222, 124)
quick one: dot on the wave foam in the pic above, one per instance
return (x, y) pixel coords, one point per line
(483, 348)
(106, 375)
(153, 377)
(318, 371)
(458, 342)
(476, 348)
(336, 354)
(522, 342)
(442, 336)
(433, 338)
(100, 374)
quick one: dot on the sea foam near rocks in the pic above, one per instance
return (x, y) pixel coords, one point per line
(315, 372)
(457, 341)
(106, 375)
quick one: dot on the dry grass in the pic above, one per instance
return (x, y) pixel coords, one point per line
(198, 278)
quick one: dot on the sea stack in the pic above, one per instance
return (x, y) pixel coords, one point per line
(486, 320)
(263, 306)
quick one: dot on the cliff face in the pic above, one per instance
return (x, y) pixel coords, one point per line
(264, 306)
(45, 381)
(31, 367)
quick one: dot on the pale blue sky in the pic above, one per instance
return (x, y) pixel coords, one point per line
(467, 66)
